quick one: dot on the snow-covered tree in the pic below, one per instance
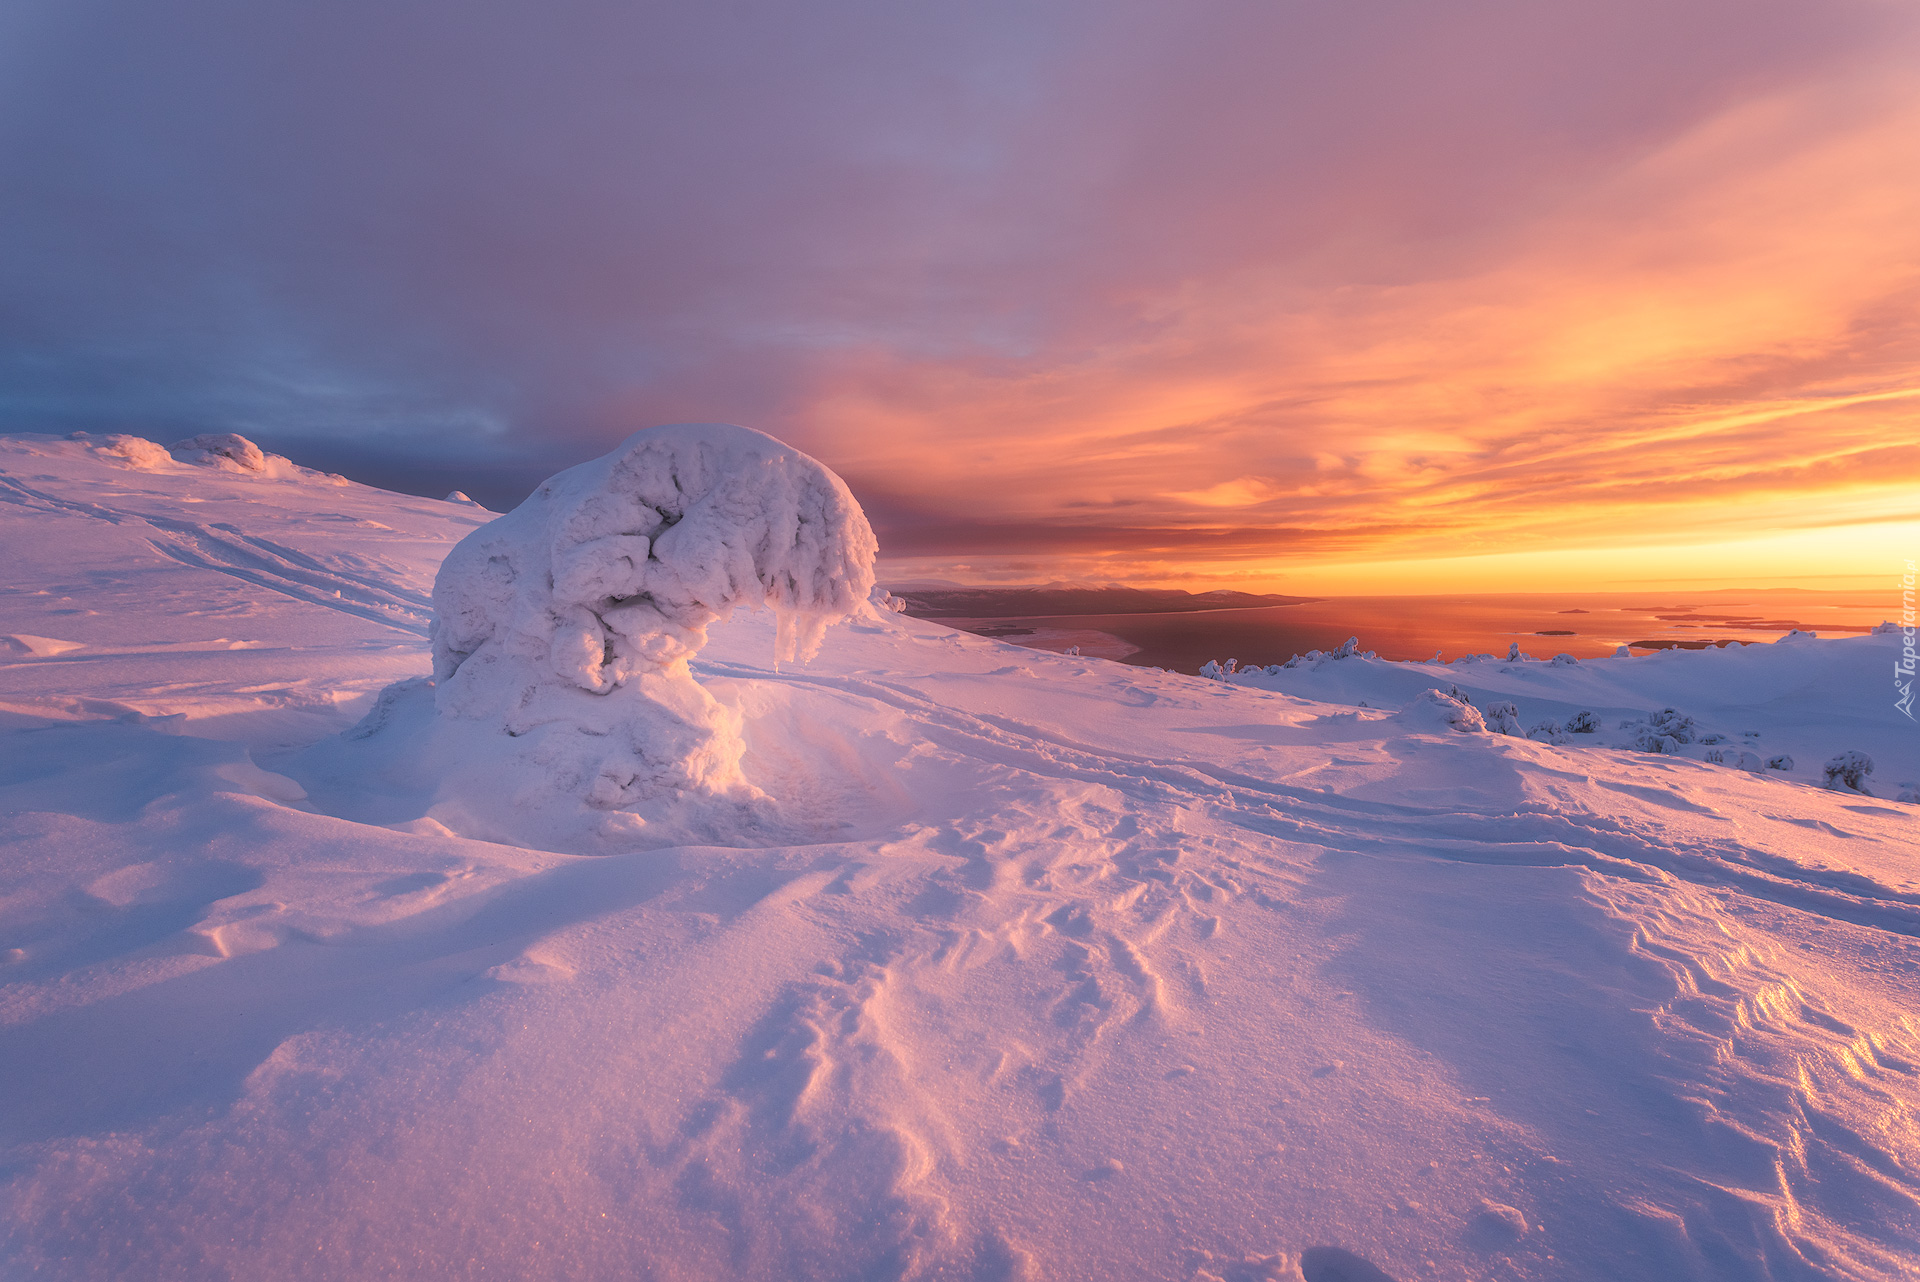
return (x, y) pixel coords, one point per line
(567, 624)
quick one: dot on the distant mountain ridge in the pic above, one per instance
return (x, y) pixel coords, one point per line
(1003, 603)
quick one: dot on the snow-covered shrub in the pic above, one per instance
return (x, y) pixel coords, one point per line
(881, 599)
(562, 630)
(1582, 723)
(1798, 635)
(1442, 710)
(1849, 770)
(1713, 738)
(132, 451)
(1514, 655)
(1747, 760)
(1564, 660)
(1668, 723)
(1780, 761)
(1347, 649)
(228, 451)
(1886, 628)
(1909, 795)
(1503, 718)
(460, 497)
(1548, 731)
(1622, 653)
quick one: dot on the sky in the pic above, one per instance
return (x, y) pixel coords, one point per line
(1283, 295)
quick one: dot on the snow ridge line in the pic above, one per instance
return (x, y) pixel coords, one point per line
(1362, 828)
(224, 549)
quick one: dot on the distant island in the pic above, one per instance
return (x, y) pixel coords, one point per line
(1008, 603)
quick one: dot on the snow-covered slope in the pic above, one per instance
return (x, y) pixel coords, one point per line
(1049, 967)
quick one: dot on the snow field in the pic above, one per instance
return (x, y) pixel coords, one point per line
(1027, 966)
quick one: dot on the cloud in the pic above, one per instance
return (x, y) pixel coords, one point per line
(1156, 283)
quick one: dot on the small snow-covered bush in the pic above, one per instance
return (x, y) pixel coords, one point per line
(1622, 653)
(1514, 655)
(1849, 770)
(1798, 635)
(1564, 660)
(1746, 761)
(1548, 731)
(882, 599)
(1668, 723)
(1664, 744)
(1582, 723)
(1347, 649)
(562, 630)
(1503, 718)
(1442, 710)
(226, 450)
(134, 451)
(1780, 761)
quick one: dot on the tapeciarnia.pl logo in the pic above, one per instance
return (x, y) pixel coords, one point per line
(1903, 666)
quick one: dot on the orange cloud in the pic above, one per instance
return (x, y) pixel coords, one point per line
(1714, 340)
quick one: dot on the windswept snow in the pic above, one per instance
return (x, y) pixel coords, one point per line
(1039, 966)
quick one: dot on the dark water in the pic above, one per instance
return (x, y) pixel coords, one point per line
(1413, 627)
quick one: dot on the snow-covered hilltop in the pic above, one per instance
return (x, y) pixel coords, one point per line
(1029, 966)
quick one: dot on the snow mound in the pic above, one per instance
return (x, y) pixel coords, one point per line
(562, 630)
(36, 647)
(1434, 710)
(228, 451)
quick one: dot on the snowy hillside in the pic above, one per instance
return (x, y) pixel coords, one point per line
(1021, 965)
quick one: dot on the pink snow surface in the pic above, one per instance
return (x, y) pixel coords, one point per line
(1020, 965)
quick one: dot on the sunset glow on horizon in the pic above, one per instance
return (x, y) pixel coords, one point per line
(1277, 297)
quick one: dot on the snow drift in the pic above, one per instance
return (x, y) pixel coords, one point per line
(562, 631)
